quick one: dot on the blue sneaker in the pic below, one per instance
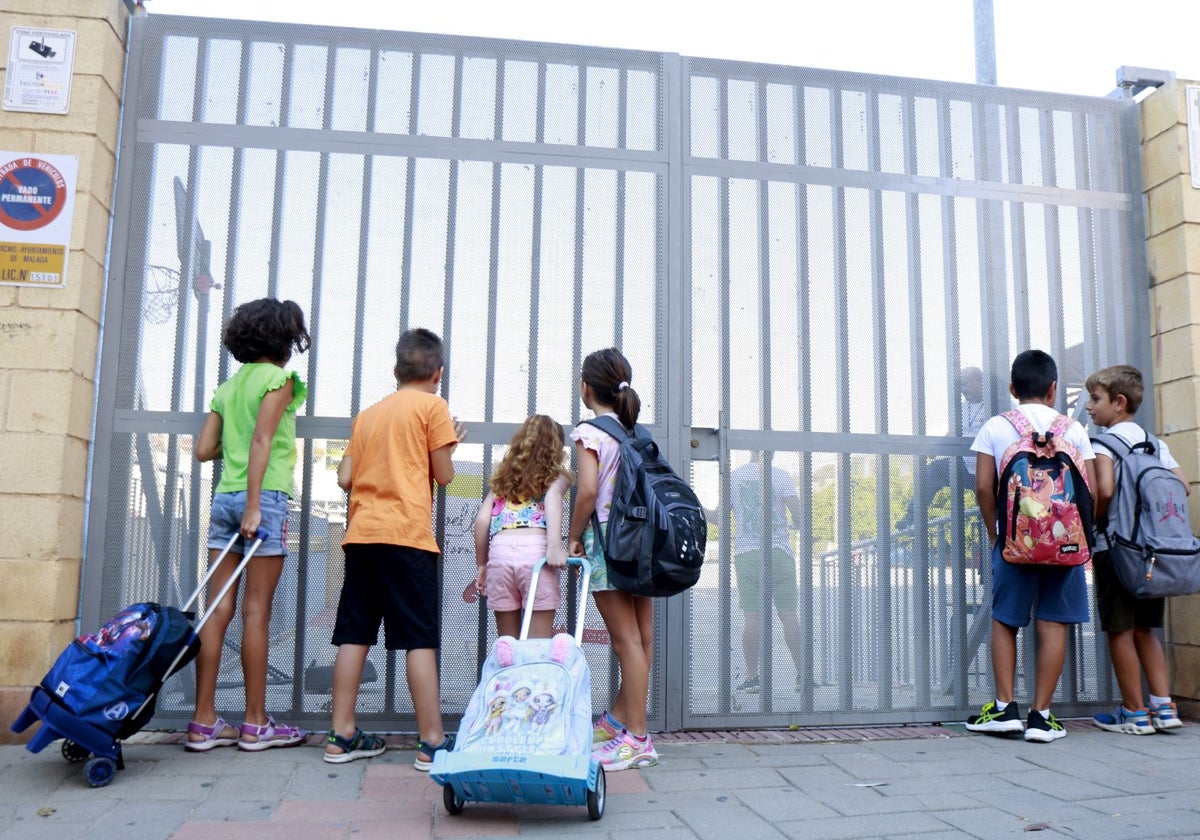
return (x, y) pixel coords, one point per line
(1165, 716)
(1126, 722)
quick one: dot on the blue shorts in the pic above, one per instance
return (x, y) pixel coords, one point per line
(1061, 592)
(226, 520)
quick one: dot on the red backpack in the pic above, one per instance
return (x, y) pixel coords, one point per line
(1044, 504)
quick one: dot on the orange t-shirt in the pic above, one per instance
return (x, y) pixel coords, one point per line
(391, 485)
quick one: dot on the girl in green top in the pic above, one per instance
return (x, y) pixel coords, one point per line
(252, 428)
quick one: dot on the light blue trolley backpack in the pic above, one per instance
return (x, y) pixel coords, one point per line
(526, 736)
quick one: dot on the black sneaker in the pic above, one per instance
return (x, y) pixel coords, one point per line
(1039, 729)
(991, 720)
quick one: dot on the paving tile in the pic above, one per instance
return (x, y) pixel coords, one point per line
(201, 830)
(856, 827)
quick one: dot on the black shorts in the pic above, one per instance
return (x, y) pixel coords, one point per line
(1119, 611)
(395, 584)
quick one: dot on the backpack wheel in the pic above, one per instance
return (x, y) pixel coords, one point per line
(99, 771)
(74, 753)
(595, 798)
(453, 802)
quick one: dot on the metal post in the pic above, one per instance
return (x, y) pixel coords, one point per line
(985, 43)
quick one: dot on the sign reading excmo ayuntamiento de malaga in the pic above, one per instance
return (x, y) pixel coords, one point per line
(37, 199)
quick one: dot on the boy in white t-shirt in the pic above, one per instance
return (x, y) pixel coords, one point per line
(1060, 591)
(1114, 397)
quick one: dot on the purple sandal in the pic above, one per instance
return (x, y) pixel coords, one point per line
(212, 736)
(271, 735)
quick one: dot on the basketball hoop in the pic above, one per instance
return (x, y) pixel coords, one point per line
(160, 293)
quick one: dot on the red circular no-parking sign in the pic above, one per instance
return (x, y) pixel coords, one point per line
(32, 193)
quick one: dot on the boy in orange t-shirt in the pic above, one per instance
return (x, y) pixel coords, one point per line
(397, 448)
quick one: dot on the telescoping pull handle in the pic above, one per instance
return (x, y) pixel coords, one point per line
(259, 536)
(585, 577)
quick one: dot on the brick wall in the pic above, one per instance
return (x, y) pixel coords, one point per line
(1173, 243)
(48, 346)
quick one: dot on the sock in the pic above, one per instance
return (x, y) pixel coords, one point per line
(641, 739)
(1000, 706)
(1159, 701)
(1045, 713)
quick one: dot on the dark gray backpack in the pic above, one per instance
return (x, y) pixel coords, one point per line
(1150, 541)
(654, 542)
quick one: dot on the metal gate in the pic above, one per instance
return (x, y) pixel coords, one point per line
(796, 262)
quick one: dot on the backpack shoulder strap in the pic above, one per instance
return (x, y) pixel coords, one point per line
(611, 426)
(1151, 445)
(1060, 425)
(1112, 443)
(1019, 421)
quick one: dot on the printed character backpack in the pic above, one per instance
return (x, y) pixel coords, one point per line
(1153, 550)
(1044, 504)
(656, 531)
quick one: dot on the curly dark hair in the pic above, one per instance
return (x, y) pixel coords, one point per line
(266, 329)
(605, 371)
(419, 354)
(534, 460)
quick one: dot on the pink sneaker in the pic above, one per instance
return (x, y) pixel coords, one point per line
(626, 751)
(271, 735)
(603, 731)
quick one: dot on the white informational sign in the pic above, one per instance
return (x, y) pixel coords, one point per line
(37, 204)
(1193, 121)
(40, 63)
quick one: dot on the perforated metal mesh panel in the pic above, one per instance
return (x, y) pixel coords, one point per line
(797, 264)
(854, 242)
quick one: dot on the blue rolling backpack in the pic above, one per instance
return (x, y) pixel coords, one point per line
(103, 687)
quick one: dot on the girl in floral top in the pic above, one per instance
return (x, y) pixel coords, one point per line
(520, 522)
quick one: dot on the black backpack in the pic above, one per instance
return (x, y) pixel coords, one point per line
(656, 531)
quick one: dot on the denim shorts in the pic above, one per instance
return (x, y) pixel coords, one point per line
(226, 520)
(1060, 591)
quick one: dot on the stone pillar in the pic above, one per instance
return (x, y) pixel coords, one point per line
(1173, 243)
(48, 351)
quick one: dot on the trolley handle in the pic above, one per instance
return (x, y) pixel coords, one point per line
(260, 535)
(585, 576)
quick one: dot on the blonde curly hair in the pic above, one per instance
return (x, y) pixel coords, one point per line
(534, 460)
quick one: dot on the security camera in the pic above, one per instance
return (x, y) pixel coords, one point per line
(42, 49)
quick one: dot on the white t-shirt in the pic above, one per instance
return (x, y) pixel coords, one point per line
(745, 489)
(1132, 433)
(998, 434)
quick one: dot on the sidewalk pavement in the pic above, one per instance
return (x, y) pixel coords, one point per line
(892, 782)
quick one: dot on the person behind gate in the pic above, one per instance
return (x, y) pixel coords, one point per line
(1060, 591)
(251, 427)
(398, 448)
(1114, 397)
(751, 497)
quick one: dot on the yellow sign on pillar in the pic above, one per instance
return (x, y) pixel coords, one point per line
(37, 200)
